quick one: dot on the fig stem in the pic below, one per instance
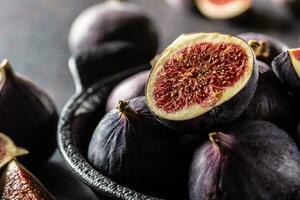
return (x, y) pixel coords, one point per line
(260, 48)
(125, 109)
(222, 141)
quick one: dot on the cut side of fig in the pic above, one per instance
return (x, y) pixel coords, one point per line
(223, 9)
(270, 47)
(8, 150)
(249, 160)
(18, 183)
(286, 67)
(207, 79)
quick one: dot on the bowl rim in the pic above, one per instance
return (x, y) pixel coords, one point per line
(76, 162)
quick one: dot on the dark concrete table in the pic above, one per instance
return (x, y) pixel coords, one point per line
(34, 36)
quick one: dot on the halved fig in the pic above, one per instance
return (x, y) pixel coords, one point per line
(223, 9)
(270, 46)
(18, 183)
(249, 160)
(286, 67)
(203, 80)
(8, 150)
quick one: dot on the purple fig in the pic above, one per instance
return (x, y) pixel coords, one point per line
(286, 67)
(28, 116)
(131, 87)
(271, 101)
(132, 148)
(250, 160)
(111, 21)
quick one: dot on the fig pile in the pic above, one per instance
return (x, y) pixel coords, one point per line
(217, 120)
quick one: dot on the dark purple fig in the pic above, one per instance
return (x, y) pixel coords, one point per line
(110, 21)
(132, 148)
(131, 87)
(271, 101)
(8, 150)
(28, 116)
(202, 80)
(17, 183)
(106, 60)
(249, 161)
(286, 67)
(270, 46)
(223, 9)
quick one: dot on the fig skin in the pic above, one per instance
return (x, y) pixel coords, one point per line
(110, 21)
(132, 148)
(271, 101)
(19, 184)
(99, 62)
(253, 160)
(129, 88)
(273, 45)
(28, 116)
(219, 115)
(283, 68)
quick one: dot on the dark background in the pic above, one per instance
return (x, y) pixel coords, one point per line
(34, 34)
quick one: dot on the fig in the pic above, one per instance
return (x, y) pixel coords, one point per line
(202, 81)
(270, 46)
(99, 62)
(271, 101)
(131, 87)
(223, 9)
(28, 116)
(18, 183)
(8, 150)
(250, 160)
(132, 148)
(286, 67)
(110, 21)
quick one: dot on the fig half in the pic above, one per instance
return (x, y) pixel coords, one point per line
(132, 148)
(250, 160)
(202, 80)
(271, 101)
(8, 150)
(17, 183)
(223, 9)
(270, 47)
(286, 67)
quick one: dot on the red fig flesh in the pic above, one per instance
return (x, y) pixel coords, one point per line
(17, 183)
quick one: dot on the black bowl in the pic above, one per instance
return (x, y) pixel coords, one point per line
(78, 119)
